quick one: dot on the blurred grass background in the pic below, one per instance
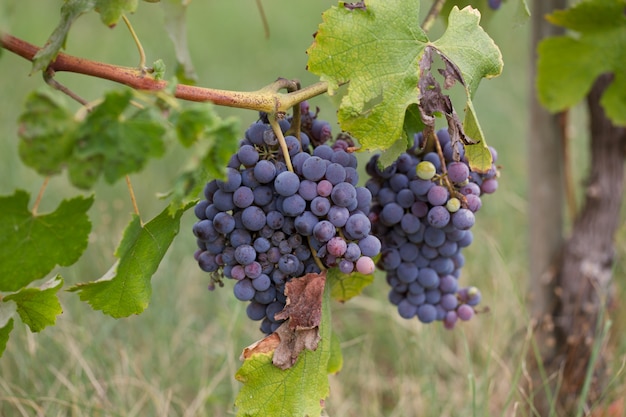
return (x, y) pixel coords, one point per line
(178, 358)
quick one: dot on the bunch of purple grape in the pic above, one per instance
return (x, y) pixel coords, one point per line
(423, 214)
(264, 225)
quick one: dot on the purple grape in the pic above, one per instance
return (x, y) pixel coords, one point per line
(489, 186)
(426, 313)
(243, 290)
(264, 171)
(320, 206)
(248, 155)
(465, 312)
(314, 168)
(343, 194)
(438, 217)
(458, 172)
(358, 226)
(337, 246)
(286, 183)
(406, 309)
(324, 231)
(369, 245)
(463, 219)
(494, 4)
(255, 311)
(253, 218)
(438, 195)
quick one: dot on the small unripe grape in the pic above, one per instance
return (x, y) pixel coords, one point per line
(426, 170)
(453, 205)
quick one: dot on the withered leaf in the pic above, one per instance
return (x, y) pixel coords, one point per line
(432, 100)
(265, 345)
(303, 313)
(304, 301)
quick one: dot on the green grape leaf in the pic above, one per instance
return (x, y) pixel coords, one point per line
(111, 11)
(113, 143)
(345, 286)
(38, 307)
(223, 144)
(126, 288)
(70, 11)
(45, 127)
(297, 391)
(470, 48)
(57, 238)
(175, 12)
(378, 49)
(193, 122)
(335, 363)
(4, 334)
(478, 154)
(568, 65)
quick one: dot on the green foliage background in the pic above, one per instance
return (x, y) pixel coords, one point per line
(179, 357)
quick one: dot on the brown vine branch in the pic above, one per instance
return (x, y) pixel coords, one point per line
(48, 76)
(266, 99)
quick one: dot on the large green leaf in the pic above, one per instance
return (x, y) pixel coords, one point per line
(297, 391)
(568, 65)
(45, 129)
(31, 245)
(38, 307)
(113, 143)
(70, 11)
(126, 288)
(378, 49)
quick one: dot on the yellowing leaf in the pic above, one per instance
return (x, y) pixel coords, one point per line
(377, 49)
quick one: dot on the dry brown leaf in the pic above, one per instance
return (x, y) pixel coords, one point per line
(303, 313)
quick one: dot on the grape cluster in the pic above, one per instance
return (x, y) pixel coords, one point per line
(423, 215)
(263, 224)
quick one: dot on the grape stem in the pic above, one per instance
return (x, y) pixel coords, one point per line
(317, 260)
(142, 54)
(273, 118)
(40, 195)
(267, 99)
(133, 200)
